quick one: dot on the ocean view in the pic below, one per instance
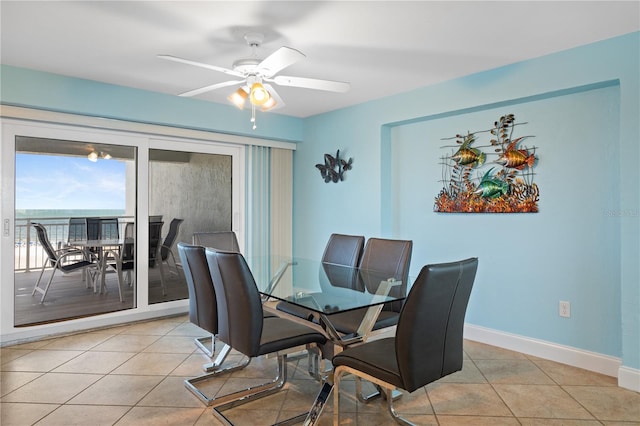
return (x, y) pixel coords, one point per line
(27, 250)
(65, 213)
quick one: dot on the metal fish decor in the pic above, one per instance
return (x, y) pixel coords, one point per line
(472, 183)
(334, 167)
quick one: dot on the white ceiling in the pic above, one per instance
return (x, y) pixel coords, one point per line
(381, 48)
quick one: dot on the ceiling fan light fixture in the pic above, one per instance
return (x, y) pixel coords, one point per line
(259, 95)
(269, 104)
(238, 98)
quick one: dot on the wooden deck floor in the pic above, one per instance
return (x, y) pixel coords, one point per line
(68, 296)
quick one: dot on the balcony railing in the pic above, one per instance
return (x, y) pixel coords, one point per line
(29, 254)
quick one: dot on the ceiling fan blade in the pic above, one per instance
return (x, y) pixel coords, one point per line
(276, 97)
(211, 87)
(311, 83)
(202, 65)
(279, 60)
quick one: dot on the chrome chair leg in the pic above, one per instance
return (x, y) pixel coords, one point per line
(207, 351)
(365, 399)
(190, 384)
(389, 394)
(250, 394)
(315, 363)
(217, 363)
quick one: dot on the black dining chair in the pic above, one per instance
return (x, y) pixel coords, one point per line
(203, 309)
(222, 240)
(387, 256)
(242, 325)
(341, 249)
(428, 343)
(65, 260)
(200, 306)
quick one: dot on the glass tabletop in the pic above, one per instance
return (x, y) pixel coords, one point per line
(100, 243)
(323, 287)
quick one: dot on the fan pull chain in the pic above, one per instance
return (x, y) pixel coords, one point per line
(253, 116)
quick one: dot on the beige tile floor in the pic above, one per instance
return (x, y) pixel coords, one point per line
(133, 375)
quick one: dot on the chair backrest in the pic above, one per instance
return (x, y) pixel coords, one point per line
(155, 231)
(129, 230)
(239, 305)
(343, 249)
(174, 226)
(45, 243)
(429, 335)
(93, 228)
(77, 229)
(203, 310)
(109, 229)
(392, 257)
(221, 240)
(98, 228)
(128, 248)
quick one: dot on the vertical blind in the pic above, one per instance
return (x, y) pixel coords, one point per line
(269, 205)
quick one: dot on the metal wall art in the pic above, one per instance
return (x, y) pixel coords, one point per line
(504, 185)
(334, 167)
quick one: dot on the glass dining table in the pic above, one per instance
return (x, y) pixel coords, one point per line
(327, 289)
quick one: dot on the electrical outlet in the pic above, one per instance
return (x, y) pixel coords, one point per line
(564, 309)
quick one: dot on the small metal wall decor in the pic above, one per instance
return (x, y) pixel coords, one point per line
(334, 167)
(504, 185)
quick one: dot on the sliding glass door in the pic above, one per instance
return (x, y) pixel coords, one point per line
(188, 192)
(120, 202)
(77, 191)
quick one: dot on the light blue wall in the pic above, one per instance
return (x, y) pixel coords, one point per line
(34, 89)
(587, 168)
(583, 246)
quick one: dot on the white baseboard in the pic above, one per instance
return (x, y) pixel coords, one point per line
(628, 378)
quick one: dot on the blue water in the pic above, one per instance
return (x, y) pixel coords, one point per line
(55, 220)
(66, 213)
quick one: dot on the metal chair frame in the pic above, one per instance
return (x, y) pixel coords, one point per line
(58, 260)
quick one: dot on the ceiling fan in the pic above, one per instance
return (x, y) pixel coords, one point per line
(255, 74)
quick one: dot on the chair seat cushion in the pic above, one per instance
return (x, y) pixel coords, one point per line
(75, 266)
(376, 358)
(348, 322)
(281, 333)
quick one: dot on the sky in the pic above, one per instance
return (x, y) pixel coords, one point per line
(61, 182)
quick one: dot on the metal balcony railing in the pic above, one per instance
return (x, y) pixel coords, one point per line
(29, 254)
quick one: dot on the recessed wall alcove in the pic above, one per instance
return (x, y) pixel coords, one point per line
(569, 250)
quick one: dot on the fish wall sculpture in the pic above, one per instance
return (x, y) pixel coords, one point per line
(473, 183)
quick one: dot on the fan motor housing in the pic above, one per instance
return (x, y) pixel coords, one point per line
(246, 65)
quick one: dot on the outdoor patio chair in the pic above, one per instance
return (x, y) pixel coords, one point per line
(166, 249)
(65, 260)
(155, 231)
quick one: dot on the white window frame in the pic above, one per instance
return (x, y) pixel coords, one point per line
(27, 122)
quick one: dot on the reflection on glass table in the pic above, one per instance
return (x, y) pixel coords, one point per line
(326, 289)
